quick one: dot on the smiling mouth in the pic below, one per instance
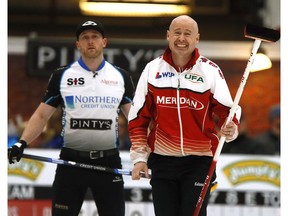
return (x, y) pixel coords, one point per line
(181, 45)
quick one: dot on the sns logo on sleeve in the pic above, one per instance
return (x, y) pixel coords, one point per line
(77, 81)
(160, 75)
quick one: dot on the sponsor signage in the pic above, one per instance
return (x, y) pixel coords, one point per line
(234, 172)
(259, 170)
(138, 194)
(244, 181)
(46, 54)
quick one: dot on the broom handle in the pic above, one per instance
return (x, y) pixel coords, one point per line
(238, 95)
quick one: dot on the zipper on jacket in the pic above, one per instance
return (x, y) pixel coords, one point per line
(94, 80)
(179, 116)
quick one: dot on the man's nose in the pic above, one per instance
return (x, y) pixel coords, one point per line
(181, 37)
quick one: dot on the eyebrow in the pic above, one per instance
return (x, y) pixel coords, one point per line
(179, 29)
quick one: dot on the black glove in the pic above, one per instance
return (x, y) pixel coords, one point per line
(16, 151)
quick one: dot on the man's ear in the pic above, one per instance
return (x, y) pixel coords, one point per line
(167, 35)
(105, 42)
(198, 38)
(77, 44)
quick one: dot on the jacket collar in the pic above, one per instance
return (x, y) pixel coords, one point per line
(167, 56)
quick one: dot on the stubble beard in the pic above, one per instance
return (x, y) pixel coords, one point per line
(90, 55)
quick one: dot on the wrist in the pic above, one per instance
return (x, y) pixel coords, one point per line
(23, 143)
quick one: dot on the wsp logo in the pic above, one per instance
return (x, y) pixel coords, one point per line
(160, 75)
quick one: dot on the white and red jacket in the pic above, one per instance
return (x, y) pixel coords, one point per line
(178, 108)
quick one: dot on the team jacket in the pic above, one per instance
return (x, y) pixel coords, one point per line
(178, 108)
(90, 103)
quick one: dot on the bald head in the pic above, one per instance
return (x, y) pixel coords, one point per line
(184, 20)
(182, 38)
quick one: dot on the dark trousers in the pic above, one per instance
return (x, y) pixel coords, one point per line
(177, 183)
(71, 183)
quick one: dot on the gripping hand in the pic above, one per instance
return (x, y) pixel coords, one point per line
(16, 151)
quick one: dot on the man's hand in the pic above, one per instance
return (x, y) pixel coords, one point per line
(230, 131)
(138, 168)
(16, 151)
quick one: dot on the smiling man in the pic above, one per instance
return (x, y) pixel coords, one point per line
(171, 124)
(183, 36)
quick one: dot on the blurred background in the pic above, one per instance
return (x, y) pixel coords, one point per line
(217, 19)
(51, 24)
(41, 37)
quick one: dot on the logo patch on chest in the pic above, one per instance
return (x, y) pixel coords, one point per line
(94, 124)
(77, 81)
(195, 78)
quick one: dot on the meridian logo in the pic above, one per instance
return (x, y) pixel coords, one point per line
(160, 75)
(192, 103)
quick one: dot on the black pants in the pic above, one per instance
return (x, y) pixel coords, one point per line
(71, 183)
(177, 182)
